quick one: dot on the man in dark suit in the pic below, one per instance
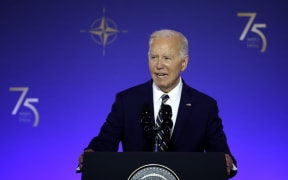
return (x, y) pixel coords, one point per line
(196, 126)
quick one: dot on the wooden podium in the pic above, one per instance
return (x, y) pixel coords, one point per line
(154, 166)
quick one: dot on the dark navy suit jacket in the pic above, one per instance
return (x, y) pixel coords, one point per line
(198, 127)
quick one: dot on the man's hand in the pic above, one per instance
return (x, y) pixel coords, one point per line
(80, 160)
(229, 163)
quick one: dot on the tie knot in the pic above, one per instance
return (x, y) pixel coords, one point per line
(164, 98)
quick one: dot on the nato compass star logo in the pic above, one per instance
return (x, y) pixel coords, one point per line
(103, 31)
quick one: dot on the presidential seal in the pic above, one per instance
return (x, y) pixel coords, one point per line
(153, 172)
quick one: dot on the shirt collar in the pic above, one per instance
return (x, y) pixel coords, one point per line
(174, 94)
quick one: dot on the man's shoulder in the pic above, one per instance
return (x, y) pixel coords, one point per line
(193, 92)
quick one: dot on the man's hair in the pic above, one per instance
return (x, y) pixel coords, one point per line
(171, 33)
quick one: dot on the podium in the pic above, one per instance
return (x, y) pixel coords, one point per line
(154, 166)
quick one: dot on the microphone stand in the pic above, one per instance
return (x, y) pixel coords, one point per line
(156, 144)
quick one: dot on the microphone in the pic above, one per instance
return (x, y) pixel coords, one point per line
(146, 121)
(147, 125)
(167, 123)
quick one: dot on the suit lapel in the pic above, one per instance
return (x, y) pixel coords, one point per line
(184, 110)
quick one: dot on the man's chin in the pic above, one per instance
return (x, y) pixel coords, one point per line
(162, 88)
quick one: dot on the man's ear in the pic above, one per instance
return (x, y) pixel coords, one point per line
(184, 63)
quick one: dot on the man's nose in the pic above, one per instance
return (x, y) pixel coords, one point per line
(159, 63)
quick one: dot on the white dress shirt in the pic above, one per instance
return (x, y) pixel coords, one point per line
(173, 101)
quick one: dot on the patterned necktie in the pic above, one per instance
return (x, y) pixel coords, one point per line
(162, 141)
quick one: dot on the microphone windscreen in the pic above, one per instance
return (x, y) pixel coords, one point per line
(146, 108)
(166, 111)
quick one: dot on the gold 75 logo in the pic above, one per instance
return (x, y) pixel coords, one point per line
(255, 29)
(27, 103)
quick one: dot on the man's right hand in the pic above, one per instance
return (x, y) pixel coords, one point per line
(80, 160)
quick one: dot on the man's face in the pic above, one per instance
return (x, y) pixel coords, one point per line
(165, 63)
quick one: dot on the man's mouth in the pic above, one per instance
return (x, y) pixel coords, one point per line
(161, 75)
